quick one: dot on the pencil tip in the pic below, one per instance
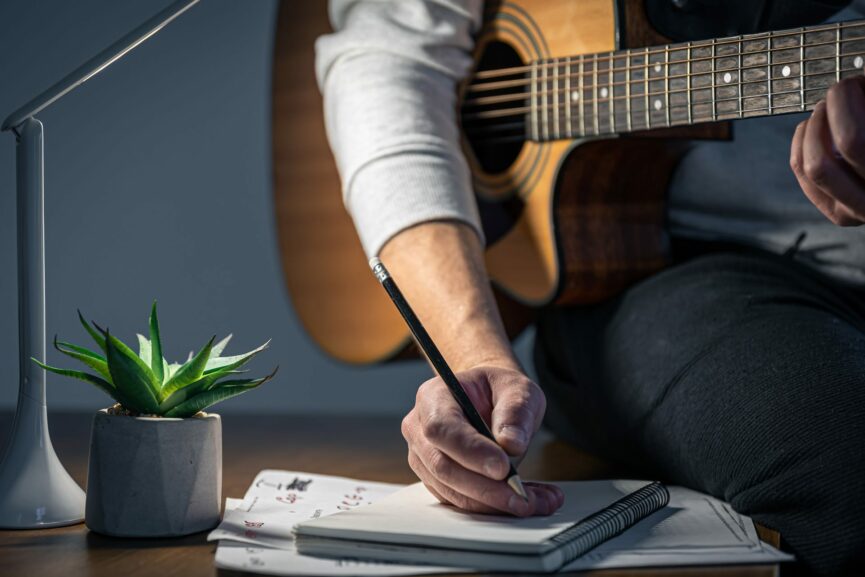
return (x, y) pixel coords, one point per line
(516, 484)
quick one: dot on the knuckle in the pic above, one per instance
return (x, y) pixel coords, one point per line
(796, 163)
(439, 465)
(817, 170)
(405, 426)
(434, 428)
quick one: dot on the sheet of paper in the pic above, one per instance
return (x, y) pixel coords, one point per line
(693, 529)
(286, 560)
(277, 500)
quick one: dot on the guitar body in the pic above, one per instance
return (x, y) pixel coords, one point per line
(567, 222)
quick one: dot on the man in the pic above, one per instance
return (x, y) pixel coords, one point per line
(740, 371)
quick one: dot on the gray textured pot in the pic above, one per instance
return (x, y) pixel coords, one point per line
(154, 477)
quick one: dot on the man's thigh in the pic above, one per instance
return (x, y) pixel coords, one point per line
(739, 375)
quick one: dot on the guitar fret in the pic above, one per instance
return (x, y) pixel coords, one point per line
(714, 103)
(688, 85)
(667, 82)
(611, 72)
(646, 91)
(628, 89)
(580, 98)
(556, 97)
(568, 98)
(595, 94)
(802, 69)
(838, 52)
(739, 79)
(769, 71)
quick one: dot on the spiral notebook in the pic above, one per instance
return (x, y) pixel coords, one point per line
(411, 526)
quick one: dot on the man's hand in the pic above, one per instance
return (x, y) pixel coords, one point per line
(828, 154)
(460, 466)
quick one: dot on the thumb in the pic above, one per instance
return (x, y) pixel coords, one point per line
(516, 416)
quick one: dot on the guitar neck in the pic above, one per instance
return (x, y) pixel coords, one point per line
(673, 85)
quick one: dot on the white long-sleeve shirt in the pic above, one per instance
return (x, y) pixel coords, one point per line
(389, 75)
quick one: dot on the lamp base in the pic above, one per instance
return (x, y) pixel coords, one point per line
(36, 492)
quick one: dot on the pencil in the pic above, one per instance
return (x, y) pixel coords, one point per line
(441, 366)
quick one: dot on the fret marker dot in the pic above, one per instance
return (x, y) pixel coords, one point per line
(858, 62)
(604, 92)
(728, 77)
(658, 105)
(785, 71)
(657, 67)
(575, 96)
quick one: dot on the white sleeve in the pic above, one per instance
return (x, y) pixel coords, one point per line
(389, 76)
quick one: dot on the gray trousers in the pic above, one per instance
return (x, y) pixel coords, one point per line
(739, 374)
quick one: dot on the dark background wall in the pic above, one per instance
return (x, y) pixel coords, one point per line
(158, 186)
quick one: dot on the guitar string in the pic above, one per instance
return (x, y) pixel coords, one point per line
(497, 85)
(729, 41)
(724, 115)
(505, 112)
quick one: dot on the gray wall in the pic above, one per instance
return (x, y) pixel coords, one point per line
(158, 186)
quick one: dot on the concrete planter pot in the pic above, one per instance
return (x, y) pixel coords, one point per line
(154, 477)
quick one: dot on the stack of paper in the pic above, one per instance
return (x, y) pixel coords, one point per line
(256, 532)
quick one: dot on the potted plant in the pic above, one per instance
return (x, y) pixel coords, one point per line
(155, 457)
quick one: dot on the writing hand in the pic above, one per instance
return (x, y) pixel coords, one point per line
(828, 154)
(460, 466)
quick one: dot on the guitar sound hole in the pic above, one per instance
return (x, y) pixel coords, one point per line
(493, 108)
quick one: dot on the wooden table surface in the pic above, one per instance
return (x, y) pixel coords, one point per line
(361, 447)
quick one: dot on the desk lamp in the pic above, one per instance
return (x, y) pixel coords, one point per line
(35, 489)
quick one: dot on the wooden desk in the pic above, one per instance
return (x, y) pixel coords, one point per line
(362, 447)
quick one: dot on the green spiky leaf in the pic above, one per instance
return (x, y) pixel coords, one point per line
(232, 362)
(131, 376)
(156, 346)
(190, 372)
(203, 384)
(219, 347)
(144, 351)
(100, 383)
(99, 339)
(219, 393)
(93, 360)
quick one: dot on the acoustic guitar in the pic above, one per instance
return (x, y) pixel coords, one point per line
(573, 122)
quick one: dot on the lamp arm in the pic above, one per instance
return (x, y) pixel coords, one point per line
(97, 64)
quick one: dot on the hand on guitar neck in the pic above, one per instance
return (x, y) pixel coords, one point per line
(439, 267)
(828, 154)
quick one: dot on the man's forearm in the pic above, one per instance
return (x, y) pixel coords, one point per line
(440, 268)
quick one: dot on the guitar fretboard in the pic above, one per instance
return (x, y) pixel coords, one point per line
(673, 85)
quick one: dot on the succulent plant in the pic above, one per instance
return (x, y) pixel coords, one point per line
(146, 384)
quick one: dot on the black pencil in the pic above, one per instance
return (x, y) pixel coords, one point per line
(441, 366)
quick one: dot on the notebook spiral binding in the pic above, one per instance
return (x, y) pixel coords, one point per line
(609, 522)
